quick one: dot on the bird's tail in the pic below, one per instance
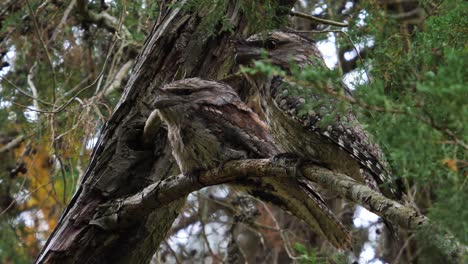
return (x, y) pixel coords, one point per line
(331, 227)
(303, 201)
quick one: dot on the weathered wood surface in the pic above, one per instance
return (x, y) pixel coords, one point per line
(121, 163)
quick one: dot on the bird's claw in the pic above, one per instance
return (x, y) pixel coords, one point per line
(290, 162)
(293, 163)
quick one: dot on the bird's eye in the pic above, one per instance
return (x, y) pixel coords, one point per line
(182, 91)
(271, 44)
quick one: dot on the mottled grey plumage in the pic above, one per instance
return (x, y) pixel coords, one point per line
(342, 143)
(208, 125)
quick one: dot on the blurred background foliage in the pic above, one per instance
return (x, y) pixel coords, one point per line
(64, 65)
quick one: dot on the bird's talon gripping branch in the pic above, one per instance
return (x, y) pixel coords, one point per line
(290, 162)
(293, 163)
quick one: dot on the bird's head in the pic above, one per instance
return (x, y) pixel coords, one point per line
(279, 47)
(187, 95)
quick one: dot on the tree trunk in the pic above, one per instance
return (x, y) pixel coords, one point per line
(121, 163)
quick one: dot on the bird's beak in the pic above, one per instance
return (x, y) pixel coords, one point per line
(246, 53)
(163, 100)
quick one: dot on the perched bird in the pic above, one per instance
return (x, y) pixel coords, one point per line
(306, 121)
(209, 125)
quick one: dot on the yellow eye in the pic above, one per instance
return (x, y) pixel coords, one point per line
(271, 44)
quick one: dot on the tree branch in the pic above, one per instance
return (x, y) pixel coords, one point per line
(103, 18)
(318, 20)
(12, 144)
(125, 211)
(119, 77)
(32, 86)
(163, 192)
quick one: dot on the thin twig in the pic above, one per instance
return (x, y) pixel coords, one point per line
(205, 237)
(286, 242)
(400, 252)
(44, 47)
(118, 78)
(12, 144)
(22, 186)
(24, 92)
(62, 107)
(349, 39)
(64, 18)
(318, 20)
(32, 86)
(75, 88)
(173, 252)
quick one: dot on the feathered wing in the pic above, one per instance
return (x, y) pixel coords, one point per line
(244, 127)
(344, 132)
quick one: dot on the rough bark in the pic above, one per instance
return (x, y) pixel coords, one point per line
(122, 163)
